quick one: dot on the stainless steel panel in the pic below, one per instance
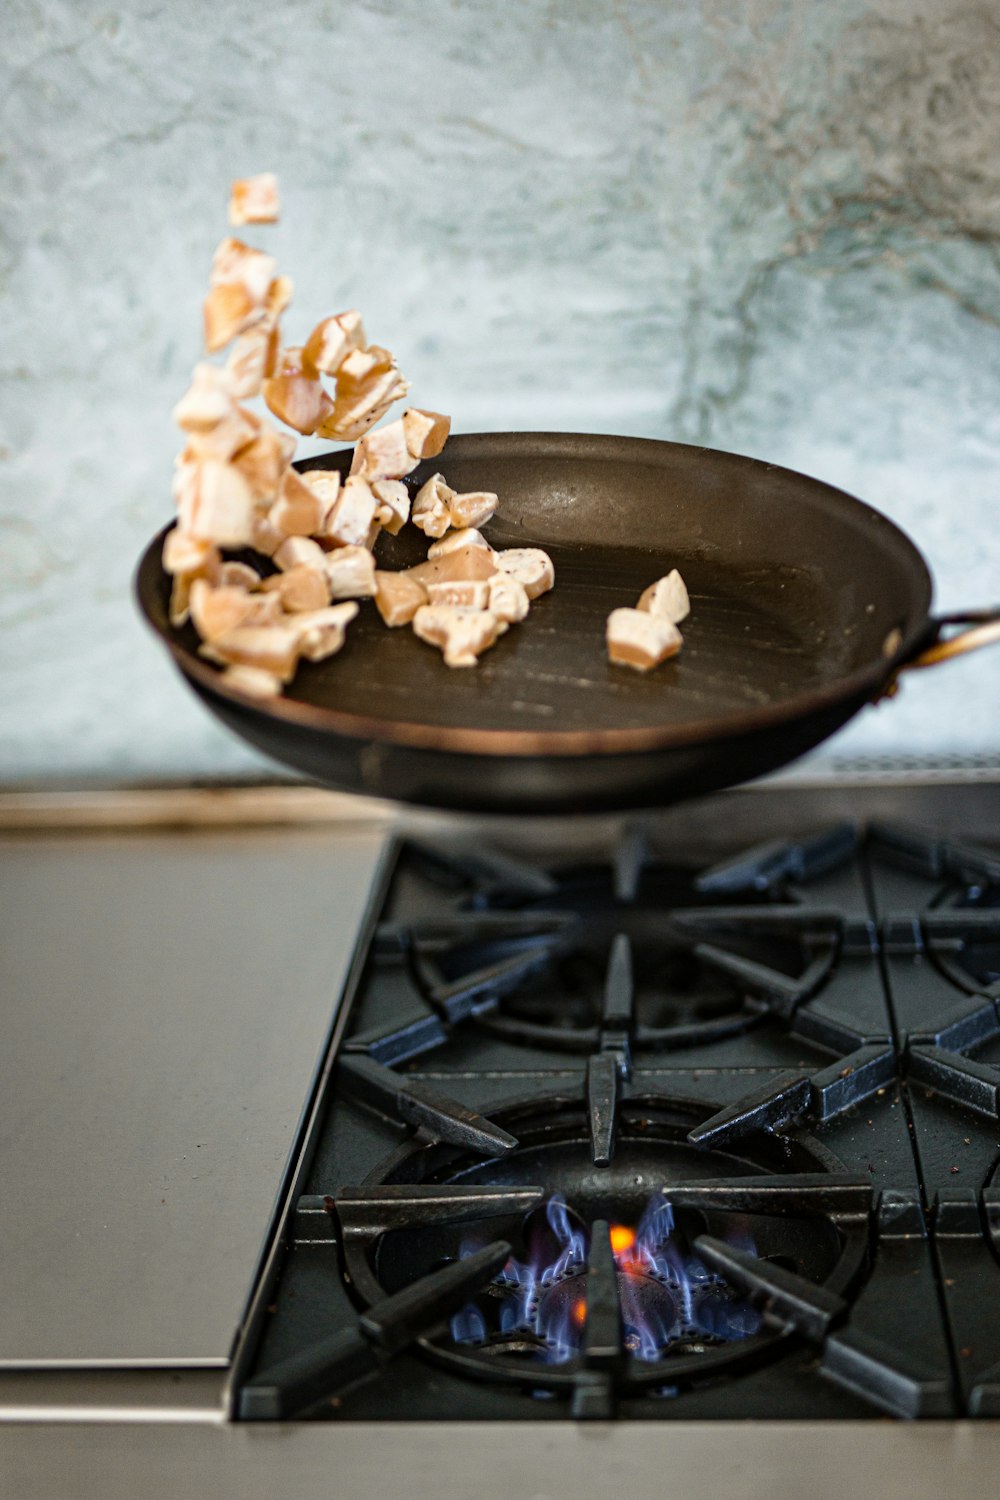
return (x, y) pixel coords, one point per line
(164, 1002)
(505, 1461)
(86, 1394)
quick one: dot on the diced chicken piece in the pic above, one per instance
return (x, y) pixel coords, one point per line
(474, 509)
(217, 611)
(351, 419)
(207, 412)
(238, 575)
(325, 483)
(349, 520)
(530, 566)
(506, 598)
(460, 593)
(298, 510)
(254, 200)
(333, 340)
(363, 362)
(350, 573)
(426, 432)
(374, 532)
(356, 430)
(278, 299)
(392, 504)
(431, 507)
(272, 648)
(226, 439)
(465, 536)
(180, 599)
(192, 555)
(237, 264)
(228, 310)
(462, 562)
(368, 382)
(256, 354)
(383, 454)
(187, 558)
(295, 393)
(398, 597)
(299, 588)
(461, 634)
(264, 461)
(252, 359)
(298, 551)
(639, 639)
(207, 400)
(253, 681)
(321, 633)
(668, 598)
(238, 294)
(266, 610)
(215, 503)
(265, 539)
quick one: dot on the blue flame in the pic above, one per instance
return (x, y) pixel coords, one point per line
(695, 1302)
(573, 1255)
(469, 1326)
(525, 1309)
(725, 1319)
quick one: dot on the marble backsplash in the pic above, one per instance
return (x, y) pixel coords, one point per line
(772, 228)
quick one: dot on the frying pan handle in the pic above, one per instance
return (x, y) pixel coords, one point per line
(983, 628)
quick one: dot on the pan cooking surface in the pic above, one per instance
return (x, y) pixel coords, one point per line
(752, 639)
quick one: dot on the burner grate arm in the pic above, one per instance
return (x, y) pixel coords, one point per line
(973, 1085)
(603, 1074)
(787, 1298)
(850, 1081)
(603, 1348)
(767, 865)
(778, 991)
(367, 1212)
(480, 990)
(413, 1102)
(295, 1386)
(772, 1104)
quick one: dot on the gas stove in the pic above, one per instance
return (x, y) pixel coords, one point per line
(656, 1135)
(453, 1158)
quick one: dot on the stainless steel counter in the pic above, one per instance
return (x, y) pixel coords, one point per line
(166, 1001)
(500, 1461)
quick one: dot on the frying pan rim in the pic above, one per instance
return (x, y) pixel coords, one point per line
(864, 681)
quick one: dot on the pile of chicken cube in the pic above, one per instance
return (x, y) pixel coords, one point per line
(235, 488)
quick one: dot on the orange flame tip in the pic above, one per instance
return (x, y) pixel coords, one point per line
(622, 1238)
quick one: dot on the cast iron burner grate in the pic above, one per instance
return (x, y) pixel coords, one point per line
(959, 933)
(644, 1140)
(553, 958)
(736, 1255)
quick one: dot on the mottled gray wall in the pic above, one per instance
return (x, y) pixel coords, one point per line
(770, 227)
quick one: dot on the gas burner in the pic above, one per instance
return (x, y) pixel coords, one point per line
(556, 979)
(555, 958)
(670, 1301)
(650, 1273)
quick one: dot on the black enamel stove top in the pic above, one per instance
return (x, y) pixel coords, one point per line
(657, 1137)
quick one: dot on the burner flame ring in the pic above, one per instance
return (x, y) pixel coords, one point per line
(655, 1128)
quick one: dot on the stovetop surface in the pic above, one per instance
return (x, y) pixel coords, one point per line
(661, 1135)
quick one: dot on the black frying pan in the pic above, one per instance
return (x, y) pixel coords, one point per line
(805, 604)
